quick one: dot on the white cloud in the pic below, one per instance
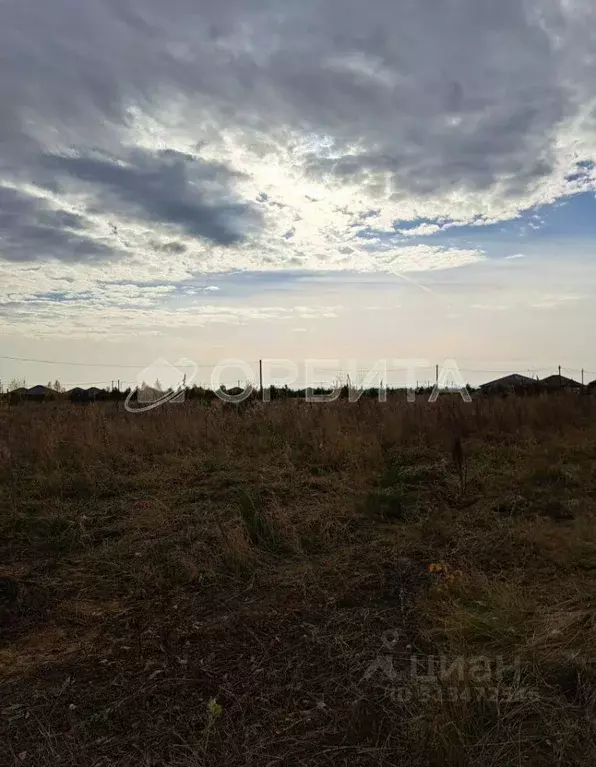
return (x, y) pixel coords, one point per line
(274, 138)
(420, 231)
(551, 301)
(82, 318)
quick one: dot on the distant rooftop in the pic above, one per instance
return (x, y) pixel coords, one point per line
(557, 380)
(39, 389)
(514, 379)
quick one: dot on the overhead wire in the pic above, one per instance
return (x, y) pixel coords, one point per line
(332, 371)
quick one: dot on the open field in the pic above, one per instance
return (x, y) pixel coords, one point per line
(202, 587)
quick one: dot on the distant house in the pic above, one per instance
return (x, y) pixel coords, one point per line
(77, 394)
(86, 395)
(39, 393)
(561, 383)
(515, 383)
(592, 387)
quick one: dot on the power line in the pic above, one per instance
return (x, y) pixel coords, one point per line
(85, 383)
(334, 371)
(578, 370)
(96, 364)
(504, 372)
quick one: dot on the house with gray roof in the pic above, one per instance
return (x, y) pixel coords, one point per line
(515, 382)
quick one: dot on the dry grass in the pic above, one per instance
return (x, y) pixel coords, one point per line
(202, 587)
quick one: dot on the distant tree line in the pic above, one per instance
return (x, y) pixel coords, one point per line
(56, 393)
(17, 392)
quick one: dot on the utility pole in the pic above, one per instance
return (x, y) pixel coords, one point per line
(582, 376)
(112, 386)
(436, 375)
(559, 371)
(261, 376)
(118, 384)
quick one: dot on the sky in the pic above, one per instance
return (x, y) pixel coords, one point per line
(326, 180)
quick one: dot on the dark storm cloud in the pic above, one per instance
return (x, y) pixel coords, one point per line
(418, 97)
(166, 186)
(31, 231)
(86, 63)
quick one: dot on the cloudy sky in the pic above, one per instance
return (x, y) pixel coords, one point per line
(324, 179)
